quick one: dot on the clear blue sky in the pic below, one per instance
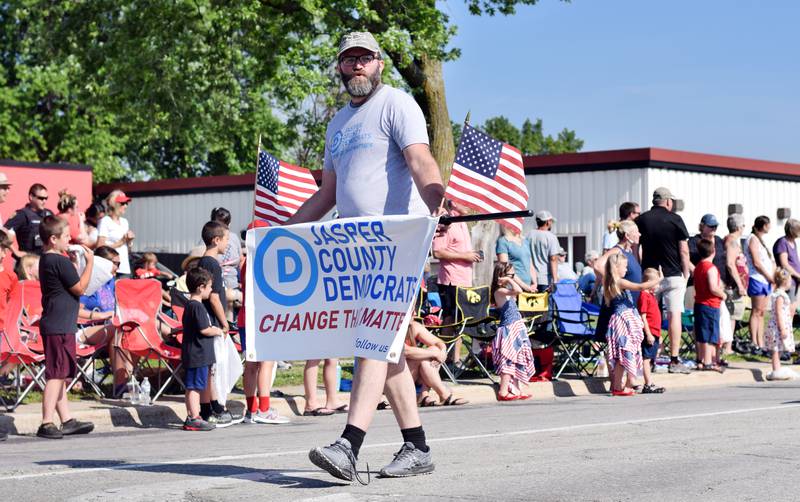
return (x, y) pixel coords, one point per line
(714, 76)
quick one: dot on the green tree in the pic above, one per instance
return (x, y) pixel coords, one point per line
(502, 129)
(531, 139)
(184, 87)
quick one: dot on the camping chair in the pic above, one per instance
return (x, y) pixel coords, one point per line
(138, 306)
(535, 311)
(13, 350)
(687, 333)
(473, 321)
(571, 325)
(425, 312)
(32, 312)
(178, 302)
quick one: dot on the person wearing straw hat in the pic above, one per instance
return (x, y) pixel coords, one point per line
(377, 141)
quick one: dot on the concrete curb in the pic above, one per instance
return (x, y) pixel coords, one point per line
(169, 412)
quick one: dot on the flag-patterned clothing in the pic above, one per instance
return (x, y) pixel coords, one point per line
(488, 176)
(625, 334)
(511, 348)
(281, 188)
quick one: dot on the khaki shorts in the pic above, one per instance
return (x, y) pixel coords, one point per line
(671, 291)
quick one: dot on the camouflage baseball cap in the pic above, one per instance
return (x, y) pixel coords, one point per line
(363, 39)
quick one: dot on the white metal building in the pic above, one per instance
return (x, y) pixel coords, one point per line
(584, 190)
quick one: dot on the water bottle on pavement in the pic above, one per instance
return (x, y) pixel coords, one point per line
(144, 395)
(133, 387)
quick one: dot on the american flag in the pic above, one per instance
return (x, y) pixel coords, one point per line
(488, 176)
(281, 188)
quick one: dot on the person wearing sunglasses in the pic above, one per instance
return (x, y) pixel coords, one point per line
(24, 224)
(113, 230)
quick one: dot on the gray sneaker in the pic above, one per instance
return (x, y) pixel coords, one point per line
(221, 420)
(338, 460)
(679, 368)
(409, 461)
(271, 416)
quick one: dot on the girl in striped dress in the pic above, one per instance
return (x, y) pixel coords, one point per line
(625, 327)
(511, 349)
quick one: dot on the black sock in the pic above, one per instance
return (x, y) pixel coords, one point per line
(673, 360)
(205, 410)
(355, 436)
(216, 407)
(415, 435)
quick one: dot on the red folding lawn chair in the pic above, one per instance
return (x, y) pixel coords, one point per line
(31, 314)
(13, 350)
(138, 308)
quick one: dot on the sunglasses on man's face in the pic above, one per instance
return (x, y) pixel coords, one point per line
(40, 197)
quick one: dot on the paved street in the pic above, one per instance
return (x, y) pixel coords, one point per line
(734, 443)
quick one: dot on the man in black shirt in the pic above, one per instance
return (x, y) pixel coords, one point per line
(664, 245)
(25, 222)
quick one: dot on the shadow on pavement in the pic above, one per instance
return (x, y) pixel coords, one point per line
(287, 478)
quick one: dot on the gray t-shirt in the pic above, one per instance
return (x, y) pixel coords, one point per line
(364, 146)
(544, 244)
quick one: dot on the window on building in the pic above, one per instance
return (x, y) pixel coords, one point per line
(575, 246)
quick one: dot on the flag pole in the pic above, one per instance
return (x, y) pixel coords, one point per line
(466, 123)
(446, 220)
(258, 151)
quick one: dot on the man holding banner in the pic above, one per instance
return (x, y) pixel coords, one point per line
(377, 162)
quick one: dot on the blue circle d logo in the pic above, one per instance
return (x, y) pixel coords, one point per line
(336, 142)
(290, 268)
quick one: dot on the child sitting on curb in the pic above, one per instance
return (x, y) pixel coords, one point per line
(424, 362)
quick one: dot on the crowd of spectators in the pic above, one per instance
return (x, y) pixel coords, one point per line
(650, 266)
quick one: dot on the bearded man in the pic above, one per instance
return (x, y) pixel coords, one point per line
(377, 162)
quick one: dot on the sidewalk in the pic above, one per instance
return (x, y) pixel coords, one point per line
(108, 415)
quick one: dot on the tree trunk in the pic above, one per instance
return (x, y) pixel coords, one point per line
(434, 104)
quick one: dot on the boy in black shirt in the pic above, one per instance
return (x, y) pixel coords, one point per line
(197, 349)
(215, 237)
(61, 290)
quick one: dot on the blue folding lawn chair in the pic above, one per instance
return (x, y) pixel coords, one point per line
(574, 333)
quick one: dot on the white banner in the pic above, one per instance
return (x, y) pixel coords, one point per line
(335, 288)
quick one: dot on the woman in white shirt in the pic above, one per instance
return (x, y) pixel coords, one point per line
(113, 230)
(761, 267)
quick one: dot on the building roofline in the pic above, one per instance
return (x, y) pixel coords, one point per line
(661, 158)
(187, 185)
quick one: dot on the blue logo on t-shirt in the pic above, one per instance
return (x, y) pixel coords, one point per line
(350, 139)
(336, 142)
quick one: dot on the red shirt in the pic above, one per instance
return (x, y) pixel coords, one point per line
(147, 273)
(8, 282)
(702, 293)
(648, 305)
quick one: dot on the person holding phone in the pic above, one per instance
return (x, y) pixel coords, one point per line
(452, 246)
